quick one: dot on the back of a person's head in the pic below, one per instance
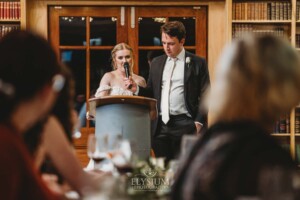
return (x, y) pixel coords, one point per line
(258, 78)
(28, 63)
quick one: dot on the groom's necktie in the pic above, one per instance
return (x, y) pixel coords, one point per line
(166, 93)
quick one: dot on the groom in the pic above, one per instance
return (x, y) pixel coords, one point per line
(177, 80)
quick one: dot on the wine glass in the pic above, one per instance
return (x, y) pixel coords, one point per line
(76, 134)
(123, 156)
(97, 150)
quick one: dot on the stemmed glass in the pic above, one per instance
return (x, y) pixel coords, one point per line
(97, 149)
(123, 156)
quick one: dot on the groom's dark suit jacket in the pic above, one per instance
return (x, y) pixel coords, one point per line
(196, 81)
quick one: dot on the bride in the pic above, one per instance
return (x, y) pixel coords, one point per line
(116, 82)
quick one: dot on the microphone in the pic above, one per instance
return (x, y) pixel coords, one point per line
(127, 72)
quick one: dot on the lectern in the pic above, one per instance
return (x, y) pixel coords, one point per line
(129, 116)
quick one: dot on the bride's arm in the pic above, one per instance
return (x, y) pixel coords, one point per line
(104, 86)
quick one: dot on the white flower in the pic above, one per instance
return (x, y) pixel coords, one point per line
(188, 60)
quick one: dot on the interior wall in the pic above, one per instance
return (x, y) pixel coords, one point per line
(218, 34)
(37, 20)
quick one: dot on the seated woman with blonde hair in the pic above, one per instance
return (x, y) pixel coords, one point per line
(116, 82)
(257, 80)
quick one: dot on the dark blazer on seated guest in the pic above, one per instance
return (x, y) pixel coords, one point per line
(232, 160)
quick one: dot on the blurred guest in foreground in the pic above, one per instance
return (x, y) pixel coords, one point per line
(116, 82)
(29, 82)
(53, 151)
(258, 79)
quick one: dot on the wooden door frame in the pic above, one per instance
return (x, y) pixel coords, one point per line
(55, 12)
(132, 40)
(201, 14)
(201, 24)
(131, 36)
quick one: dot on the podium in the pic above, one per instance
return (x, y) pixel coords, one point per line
(128, 116)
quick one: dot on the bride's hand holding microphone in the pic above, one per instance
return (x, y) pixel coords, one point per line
(130, 84)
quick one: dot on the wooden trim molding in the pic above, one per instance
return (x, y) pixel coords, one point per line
(132, 2)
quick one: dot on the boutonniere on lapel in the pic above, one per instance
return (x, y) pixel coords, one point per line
(188, 61)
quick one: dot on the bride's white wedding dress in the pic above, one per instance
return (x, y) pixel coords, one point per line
(112, 90)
